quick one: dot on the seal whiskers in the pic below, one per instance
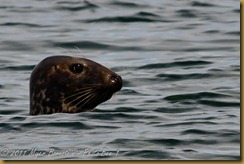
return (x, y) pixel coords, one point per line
(78, 93)
(81, 95)
(85, 101)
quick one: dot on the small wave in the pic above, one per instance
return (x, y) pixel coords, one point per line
(229, 133)
(121, 19)
(197, 131)
(201, 4)
(237, 33)
(19, 68)
(187, 13)
(149, 154)
(18, 118)
(129, 92)
(174, 77)
(219, 103)
(211, 31)
(194, 96)
(83, 45)
(189, 151)
(236, 10)
(8, 112)
(120, 109)
(227, 48)
(73, 125)
(191, 123)
(166, 142)
(203, 142)
(127, 116)
(69, 2)
(8, 99)
(173, 110)
(7, 7)
(102, 116)
(202, 98)
(143, 13)
(225, 41)
(16, 45)
(23, 24)
(138, 17)
(93, 45)
(127, 4)
(173, 64)
(5, 127)
(206, 118)
(87, 5)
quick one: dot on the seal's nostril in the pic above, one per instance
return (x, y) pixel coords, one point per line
(116, 82)
(114, 78)
(113, 81)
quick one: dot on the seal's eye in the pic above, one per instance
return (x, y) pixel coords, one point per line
(76, 68)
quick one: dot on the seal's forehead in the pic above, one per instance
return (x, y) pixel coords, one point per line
(83, 61)
(65, 61)
(55, 60)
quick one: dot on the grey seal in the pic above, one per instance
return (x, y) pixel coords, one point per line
(65, 84)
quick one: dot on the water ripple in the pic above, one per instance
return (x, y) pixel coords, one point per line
(93, 45)
(187, 13)
(201, 4)
(219, 103)
(73, 125)
(31, 25)
(194, 96)
(127, 4)
(85, 6)
(124, 19)
(18, 68)
(150, 154)
(174, 77)
(173, 64)
(197, 131)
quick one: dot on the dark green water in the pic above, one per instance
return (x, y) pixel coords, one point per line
(180, 62)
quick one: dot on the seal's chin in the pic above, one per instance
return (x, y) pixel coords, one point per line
(101, 94)
(90, 105)
(94, 98)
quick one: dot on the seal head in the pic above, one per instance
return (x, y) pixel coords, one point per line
(64, 84)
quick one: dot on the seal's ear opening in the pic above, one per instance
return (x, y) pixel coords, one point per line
(76, 68)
